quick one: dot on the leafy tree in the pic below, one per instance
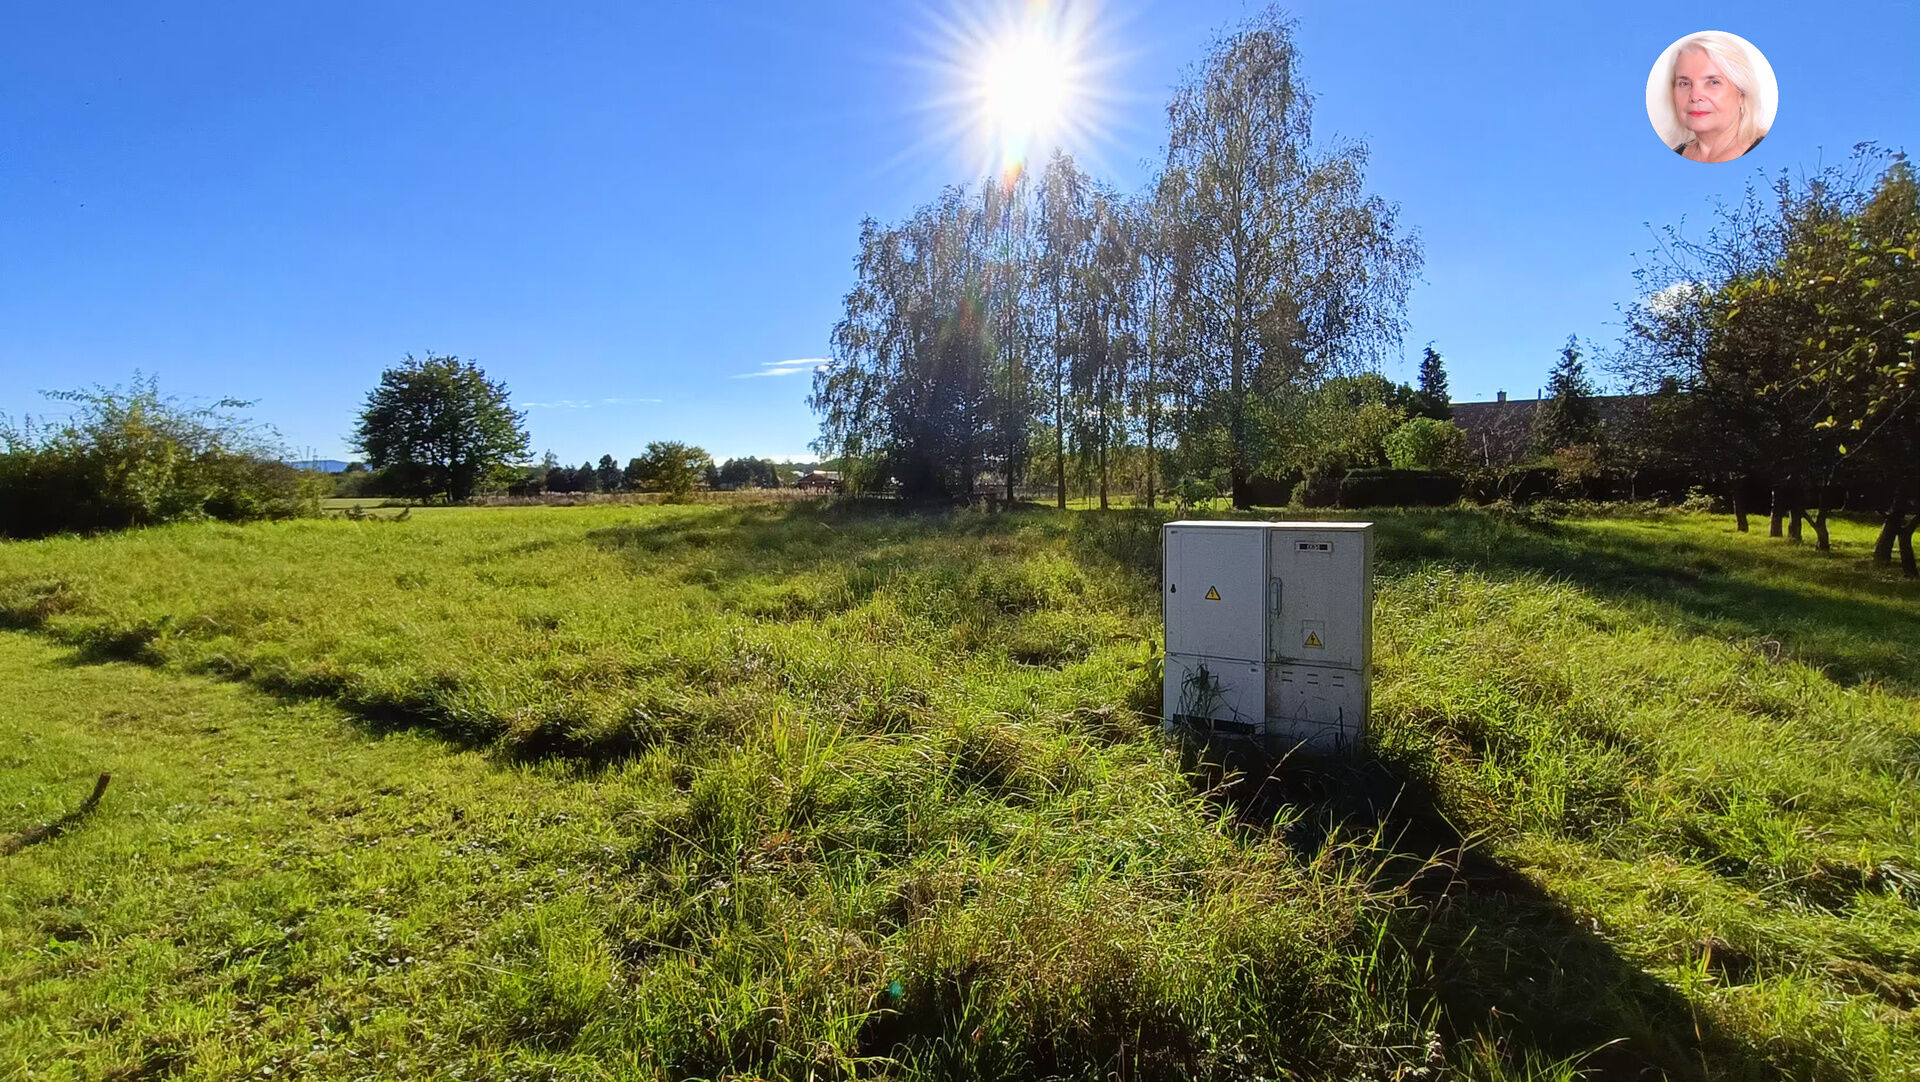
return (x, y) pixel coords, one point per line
(1423, 443)
(134, 457)
(1286, 269)
(913, 383)
(673, 468)
(531, 481)
(439, 426)
(1154, 386)
(559, 478)
(1046, 324)
(1432, 399)
(589, 478)
(1859, 357)
(634, 477)
(1569, 415)
(1105, 329)
(1007, 290)
(607, 474)
(757, 472)
(1754, 327)
(1065, 241)
(1340, 425)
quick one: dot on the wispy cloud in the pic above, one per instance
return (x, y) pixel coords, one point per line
(585, 403)
(793, 367)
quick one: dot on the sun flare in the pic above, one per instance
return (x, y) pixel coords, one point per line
(1021, 78)
(1014, 80)
(1026, 89)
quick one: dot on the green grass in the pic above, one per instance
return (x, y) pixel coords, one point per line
(739, 790)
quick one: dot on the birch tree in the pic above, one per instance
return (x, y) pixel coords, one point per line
(1290, 270)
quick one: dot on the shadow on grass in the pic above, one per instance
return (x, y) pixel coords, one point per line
(1829, 611)
(1505, 963)
(1824, 610)
(46, 832)
(554, 740)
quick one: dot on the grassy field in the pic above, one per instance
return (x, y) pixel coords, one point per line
(733, 791)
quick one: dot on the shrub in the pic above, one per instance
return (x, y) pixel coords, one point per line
(1698, 501)
(1193, 491)
(1318, 489)
(1514, 485)
(1263, 490)
(1426, 444)
(134, 458)
(1399, 488)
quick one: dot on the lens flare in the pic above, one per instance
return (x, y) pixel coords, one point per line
(1026, 88)
(1015, 80)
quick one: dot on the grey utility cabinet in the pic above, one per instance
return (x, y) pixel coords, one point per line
(1270, 628)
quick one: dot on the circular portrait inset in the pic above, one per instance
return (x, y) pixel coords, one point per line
(1711, 96)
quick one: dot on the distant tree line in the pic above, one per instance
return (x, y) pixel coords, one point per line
(1038, 326)
(437, 427)
(669, 467)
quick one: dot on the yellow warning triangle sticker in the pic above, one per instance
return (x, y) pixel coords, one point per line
(1313, 639)
(1213, 593)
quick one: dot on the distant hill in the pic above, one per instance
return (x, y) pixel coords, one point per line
(324, 465)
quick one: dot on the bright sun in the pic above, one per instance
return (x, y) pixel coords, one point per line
(1026, 88)
(1029, 80)
(1017, 79)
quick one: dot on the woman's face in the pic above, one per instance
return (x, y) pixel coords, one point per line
(1706, 101)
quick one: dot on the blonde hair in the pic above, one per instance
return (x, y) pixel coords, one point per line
(1731, 54)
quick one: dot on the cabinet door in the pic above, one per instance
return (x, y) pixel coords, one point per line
(1319, 598)
(1215, 693)
(1216, 594)
(1324, 709)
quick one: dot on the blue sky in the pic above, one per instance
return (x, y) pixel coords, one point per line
(623, 209)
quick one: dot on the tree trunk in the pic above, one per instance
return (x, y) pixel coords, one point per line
(1059, 406)
(1153, 388)
(1793, 524)
(1779, 513)
(1819, 521)
(1889, 530)
(1152, 464)
(1103, 472)
(1242, 498)
(1739, 506)
(1907, 565)
(1237, 432)
(1013, 400)
(1102, 454)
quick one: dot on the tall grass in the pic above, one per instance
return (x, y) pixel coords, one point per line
(871, 794)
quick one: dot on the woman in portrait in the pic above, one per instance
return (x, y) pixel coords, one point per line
(1717, 102)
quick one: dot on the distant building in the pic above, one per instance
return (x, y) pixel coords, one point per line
(821, 480)
(1500, 432)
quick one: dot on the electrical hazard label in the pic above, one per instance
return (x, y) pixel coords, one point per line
(1213, 593)
(1313, 640)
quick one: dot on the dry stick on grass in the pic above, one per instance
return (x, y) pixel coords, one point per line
(45, 831)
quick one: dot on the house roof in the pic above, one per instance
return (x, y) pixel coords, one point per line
(1501, 433)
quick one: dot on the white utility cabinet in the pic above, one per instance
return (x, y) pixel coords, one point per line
(1270, 628)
